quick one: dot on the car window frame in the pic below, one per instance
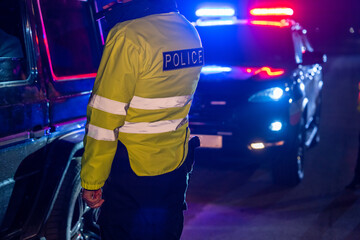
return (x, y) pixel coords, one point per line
(99, 43)
(27, 34)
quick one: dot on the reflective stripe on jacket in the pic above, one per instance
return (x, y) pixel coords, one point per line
(142, 95)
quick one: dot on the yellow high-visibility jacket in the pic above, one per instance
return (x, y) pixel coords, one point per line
(142, 95)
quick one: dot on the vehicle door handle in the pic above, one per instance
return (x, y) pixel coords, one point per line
(40, 133)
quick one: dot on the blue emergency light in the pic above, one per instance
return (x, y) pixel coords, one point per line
(215, 12)
(216, 22)
(215, 69)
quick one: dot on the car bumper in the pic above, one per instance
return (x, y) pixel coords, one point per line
(265, 130)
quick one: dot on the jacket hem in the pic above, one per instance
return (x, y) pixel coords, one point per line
(89, 186)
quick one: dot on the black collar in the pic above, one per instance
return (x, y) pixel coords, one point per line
(137, 9)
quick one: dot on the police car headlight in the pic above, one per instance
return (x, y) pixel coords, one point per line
(267, 95)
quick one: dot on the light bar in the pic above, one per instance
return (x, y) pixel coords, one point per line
(215, 69)
(271, 12)
(214, 22)
(271, 72)
(215, 12)
(282, 23)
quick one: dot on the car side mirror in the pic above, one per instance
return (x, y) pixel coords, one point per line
(310, 58)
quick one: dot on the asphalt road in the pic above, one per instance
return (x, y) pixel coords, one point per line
(227, 200)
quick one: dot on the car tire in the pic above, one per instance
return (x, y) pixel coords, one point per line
(70, 218)
(288, 169)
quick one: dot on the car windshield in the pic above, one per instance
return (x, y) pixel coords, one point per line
(247, 44)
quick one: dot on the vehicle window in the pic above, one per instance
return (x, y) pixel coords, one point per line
(247, 44)
(73, 41)
(13, 64)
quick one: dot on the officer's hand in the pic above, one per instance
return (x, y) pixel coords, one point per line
(93, 197)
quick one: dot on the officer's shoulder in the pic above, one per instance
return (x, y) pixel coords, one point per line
(121, 30)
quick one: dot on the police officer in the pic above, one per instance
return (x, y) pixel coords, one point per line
(137, 156)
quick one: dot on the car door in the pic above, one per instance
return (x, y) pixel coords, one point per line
(23, 103)
(73, 43)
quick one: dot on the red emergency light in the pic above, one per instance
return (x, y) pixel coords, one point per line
(266, 72)
(272, 12)
(282, 23)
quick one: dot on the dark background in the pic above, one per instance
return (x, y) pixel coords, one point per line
(229, 201)
(328, 22)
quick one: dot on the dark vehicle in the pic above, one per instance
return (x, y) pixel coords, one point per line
(49, 55)
(259, 93)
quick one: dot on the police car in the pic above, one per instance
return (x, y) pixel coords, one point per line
(259, 93)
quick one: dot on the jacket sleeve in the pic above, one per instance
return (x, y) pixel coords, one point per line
(106, 111)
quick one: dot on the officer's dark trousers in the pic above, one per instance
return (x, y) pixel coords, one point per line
(355, 183)
(138, 207)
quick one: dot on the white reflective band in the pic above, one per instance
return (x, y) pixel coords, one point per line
(153, 127)
(160, 103)
(99, 133)
(108, 105)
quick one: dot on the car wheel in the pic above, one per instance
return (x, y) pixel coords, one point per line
(71, 218)
(288, 169)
